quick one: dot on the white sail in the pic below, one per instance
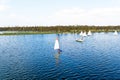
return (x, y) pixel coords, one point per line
(115, 33)
(84, 34)
(81, 33)
(56, 46)
(89, 33)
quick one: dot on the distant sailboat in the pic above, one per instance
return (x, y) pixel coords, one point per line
(81, 33)
(84, 34)
(115, 33)
(80, 39)
(89, 33)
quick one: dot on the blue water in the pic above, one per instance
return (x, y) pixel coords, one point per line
(32, 57)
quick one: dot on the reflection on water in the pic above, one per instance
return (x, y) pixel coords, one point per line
(57, 57)
(32, 57)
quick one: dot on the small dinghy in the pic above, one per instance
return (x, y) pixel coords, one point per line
(89, 33)
(84, 34)
(79, 40)
(81, 33)
(116, 33)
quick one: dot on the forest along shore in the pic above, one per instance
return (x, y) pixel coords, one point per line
(21, 30)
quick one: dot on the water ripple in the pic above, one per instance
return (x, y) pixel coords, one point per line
(32, 57)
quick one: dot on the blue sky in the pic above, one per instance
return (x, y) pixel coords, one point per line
(59, 12)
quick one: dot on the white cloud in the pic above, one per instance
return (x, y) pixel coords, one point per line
(74, 16)
(18, 17)
(14, 19)
(3, 5)
(96, 16)
(4, 1)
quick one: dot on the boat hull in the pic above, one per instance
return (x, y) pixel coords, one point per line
(79, 40)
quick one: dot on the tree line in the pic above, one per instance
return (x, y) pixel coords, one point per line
(60, 29)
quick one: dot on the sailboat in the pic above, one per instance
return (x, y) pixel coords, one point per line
(89, 33)
(84, 34)
(81, 33)
(115, 33)
(80, 39)
(57, 46)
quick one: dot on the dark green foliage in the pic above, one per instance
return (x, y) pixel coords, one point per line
(62, 29)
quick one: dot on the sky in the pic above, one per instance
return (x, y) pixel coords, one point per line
(59, 12)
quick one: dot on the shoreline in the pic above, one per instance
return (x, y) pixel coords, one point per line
(36, 32)
(23, 30)
(22, 33)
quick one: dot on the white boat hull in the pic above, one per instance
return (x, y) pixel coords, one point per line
(79, 40)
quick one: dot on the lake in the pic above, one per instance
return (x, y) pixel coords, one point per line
(32, 57)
